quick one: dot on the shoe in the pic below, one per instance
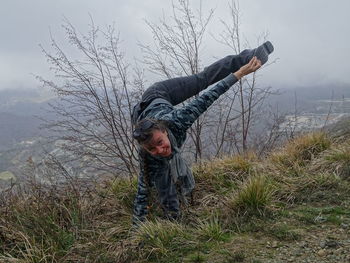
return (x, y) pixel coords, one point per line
(263, 51)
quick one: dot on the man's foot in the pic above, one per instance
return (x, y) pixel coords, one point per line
(262, 52)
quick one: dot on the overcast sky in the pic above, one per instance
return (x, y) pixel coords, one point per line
(311, 37)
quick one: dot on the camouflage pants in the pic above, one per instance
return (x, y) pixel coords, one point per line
(167, 195)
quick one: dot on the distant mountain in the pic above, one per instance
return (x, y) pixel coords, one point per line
(24, 102)
(20, 110)
(305, 97)
(15, 128)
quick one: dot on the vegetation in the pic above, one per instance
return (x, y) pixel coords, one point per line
(238, 202)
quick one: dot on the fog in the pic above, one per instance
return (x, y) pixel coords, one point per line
(310, 37)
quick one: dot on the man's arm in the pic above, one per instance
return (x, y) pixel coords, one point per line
(185, 116)
(141, 199)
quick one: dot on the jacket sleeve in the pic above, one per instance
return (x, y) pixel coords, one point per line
(141, 199)
(185, 116)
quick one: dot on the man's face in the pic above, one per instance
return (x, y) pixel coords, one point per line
(159, 145)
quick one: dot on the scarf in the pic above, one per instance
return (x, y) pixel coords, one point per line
(180, 172)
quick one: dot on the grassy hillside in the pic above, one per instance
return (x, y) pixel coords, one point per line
(292, 206)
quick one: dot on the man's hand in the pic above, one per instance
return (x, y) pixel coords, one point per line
(252, 66)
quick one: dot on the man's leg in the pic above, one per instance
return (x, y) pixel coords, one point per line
(179, 89)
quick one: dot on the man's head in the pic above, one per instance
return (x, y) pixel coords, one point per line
(152, 135)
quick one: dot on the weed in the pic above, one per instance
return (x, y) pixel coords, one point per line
(211, 229)
(301, 150)
(254, 195)
(161, 237)
(223, 174)
(336, 160)
(124, 190)
(284, 232)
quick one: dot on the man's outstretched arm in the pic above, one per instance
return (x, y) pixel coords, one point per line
(185, 116)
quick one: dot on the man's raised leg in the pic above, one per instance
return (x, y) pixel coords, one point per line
(177, 90)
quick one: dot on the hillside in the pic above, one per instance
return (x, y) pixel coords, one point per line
(292, 206)
(16, 128)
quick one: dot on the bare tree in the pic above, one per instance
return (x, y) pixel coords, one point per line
(247, 99)
(95, 92)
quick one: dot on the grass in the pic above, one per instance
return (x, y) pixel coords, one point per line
(241, 203)
(223, 175)
(211, 229)
(255, 195)
(337, 160)
(124, 191)
(40, 227)
(233, 257)
(196, 257)
(301, 150)
(284, 232)
(300, 170)
(160, 238)
(314, 215)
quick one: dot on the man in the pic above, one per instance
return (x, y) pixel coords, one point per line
(160, 128)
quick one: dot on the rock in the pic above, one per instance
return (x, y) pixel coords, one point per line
(303, 244)
(332, 244)
(319, 219)
(344, 226)
(274, 244)
(339, 251)
(322, 253)
(323, 244)
(329, 244)
(291, 259)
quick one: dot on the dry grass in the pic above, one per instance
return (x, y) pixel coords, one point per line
(301, 150)
(160, 237)
(290, 166)
(42, 223)
(210, 229)
(254, 195)
(231, 167)
(68, 223)
(220, 177)
(336, 160)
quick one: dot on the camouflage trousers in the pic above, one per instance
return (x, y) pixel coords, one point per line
(167, 193)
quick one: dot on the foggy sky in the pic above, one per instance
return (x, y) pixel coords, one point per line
(311, 37)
